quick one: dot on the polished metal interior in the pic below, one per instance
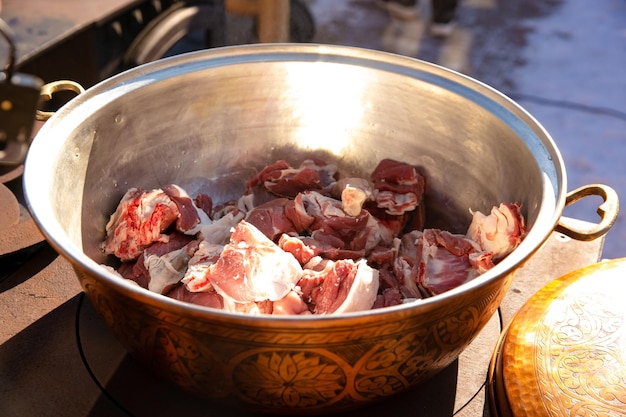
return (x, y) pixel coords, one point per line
(230, 114)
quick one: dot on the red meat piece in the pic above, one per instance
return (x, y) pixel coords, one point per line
(283, 180)
(205, 203)
(398, 186)
(139, 220)
(297, 248)
(389, 297)
(328, 223)
(340, 287)
(188, 217)
(443, 261)
(206, 298)
(271, 220)
(137, 271)
(253, 268)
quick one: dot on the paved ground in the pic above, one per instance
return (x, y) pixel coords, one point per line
(564, 61)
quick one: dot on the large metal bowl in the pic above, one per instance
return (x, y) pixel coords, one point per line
(228, 112)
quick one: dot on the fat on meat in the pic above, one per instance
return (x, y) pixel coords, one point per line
(195, 277)
(219, 231)
(499, 232)
(166, 270)
(353, 192)
(161, 264)
(139, 220)
(251, 268)
(398, 187)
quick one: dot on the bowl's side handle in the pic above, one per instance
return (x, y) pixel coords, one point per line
(54, 87)
(607, 211)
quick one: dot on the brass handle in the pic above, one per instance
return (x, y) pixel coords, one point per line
(54, 87)
(607, 211)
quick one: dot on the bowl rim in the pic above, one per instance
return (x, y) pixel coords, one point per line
(48, 142)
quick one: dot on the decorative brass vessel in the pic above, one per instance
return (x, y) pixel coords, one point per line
(564, 353)
(225, 113)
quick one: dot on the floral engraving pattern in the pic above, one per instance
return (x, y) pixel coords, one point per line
(580, 355)
(188, 363)
(393, 364)
(292, 379)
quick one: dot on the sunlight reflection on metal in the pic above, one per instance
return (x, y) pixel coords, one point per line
(329, 104)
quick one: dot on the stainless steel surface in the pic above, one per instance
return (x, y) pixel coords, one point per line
(228, 112)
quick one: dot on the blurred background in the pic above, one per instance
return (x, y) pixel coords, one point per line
(562, 60)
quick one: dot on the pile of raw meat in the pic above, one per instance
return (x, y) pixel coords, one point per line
(303, 241)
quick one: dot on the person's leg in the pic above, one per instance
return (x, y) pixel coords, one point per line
(402, 9)
(443, 11)
(405, 29)
(443, 16)
(403, 2)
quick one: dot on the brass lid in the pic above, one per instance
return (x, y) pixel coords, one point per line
(564, 352)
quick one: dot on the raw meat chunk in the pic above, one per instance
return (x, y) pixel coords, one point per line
(398, 187)
(389, 297)
(292, 303)
(500, 232)
(190, 218)
(140, 220)
(297, 248)
(206, 255)
(160, 265)
(444, 261)
(327, 222)
(252, 268)
(270, 218)
(281, 179)
(165, 270)
(340, 287)
(206, 298)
